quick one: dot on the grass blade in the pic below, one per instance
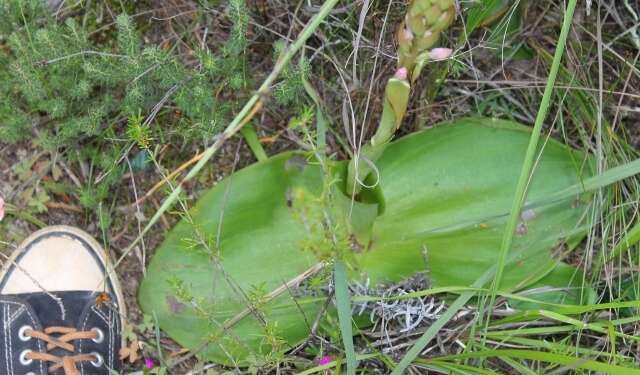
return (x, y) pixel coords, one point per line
(532, 150)
(344, 315)
(535, 355)
(322, 368)
(431, 332)
(251, 137)
(605, 178)
(631, 238)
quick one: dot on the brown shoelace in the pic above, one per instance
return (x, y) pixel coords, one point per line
(64, 341)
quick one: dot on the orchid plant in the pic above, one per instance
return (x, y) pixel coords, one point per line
(244, 274)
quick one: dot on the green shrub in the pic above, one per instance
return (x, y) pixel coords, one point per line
(59, 79)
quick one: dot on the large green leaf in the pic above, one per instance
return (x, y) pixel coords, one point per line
(250, 229)
(447, 194)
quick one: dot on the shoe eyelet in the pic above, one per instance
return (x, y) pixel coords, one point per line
(99, 335)
(22, 331)
(99, 361)
(23, 358)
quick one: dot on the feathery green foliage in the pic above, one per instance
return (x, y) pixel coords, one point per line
(70, 87)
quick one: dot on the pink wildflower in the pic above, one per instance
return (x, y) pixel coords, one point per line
(1, 208)
(148, 363)
(325, 360)
(402, 73)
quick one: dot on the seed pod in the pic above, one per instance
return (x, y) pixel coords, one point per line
(421, 28)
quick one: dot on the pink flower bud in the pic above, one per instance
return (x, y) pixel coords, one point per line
(401, 73)
(325, 360)
(440, 53)
(148, 363)
(407, 34)
(1, 208)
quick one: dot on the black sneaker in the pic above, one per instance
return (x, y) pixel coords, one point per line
(60, 311)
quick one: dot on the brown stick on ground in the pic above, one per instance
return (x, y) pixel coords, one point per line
(275, 293)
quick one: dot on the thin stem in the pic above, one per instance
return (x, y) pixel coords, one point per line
(530, 156)
(434, 328)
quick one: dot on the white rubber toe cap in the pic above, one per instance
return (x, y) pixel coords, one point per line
(55, 259)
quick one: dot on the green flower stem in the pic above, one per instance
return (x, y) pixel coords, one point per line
(396, 100)
(419, 32)
(361, 166)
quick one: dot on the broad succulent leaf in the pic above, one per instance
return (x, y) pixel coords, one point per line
(448, 192)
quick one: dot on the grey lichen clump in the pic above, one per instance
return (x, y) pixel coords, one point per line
(396, 310)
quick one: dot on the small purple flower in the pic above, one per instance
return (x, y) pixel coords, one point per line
(325, 360)
(1, 208)
(148, 363)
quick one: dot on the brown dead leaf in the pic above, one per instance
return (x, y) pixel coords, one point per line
(131, 352)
